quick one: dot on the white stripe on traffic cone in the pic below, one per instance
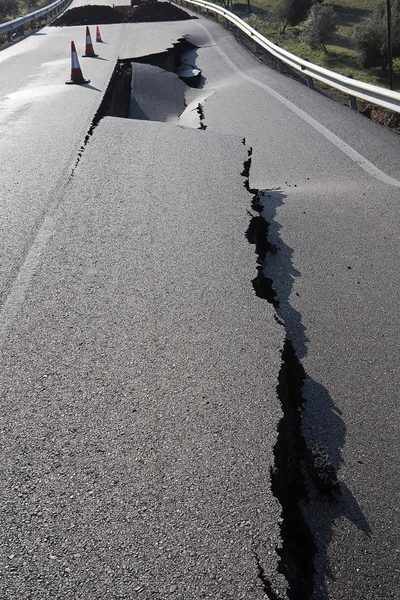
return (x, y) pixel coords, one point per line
(76, 73)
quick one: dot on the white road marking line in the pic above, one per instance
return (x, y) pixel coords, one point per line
(16, 296)
(355, 156)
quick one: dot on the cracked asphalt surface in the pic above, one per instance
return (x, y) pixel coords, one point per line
(138, 368)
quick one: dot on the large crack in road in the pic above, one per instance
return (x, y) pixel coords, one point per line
(297, 465)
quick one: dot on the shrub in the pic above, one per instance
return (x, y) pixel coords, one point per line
(371, 36)
(289, 12)
(320, 25)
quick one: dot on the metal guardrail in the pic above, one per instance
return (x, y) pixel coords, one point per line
(355, 89)
(16, 24)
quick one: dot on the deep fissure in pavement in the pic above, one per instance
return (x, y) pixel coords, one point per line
(115, 102)
(288, 484)
(296, 466)
(298, 550)
(257, 234)
(161, 82)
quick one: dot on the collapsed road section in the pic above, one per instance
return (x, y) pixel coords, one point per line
(161, 84)
(156, 87)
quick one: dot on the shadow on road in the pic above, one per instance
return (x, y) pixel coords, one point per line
(323, 424)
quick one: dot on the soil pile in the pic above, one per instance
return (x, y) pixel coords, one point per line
(104, 15)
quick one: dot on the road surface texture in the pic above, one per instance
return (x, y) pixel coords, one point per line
(144, 417)
(163, 427)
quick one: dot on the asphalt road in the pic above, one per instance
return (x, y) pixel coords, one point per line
(140, 371)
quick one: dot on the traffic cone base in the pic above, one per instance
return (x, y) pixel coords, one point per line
(76, 72)
(70, 82)
(89, 46)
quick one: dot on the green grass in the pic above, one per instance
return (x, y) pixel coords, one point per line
(342, 55)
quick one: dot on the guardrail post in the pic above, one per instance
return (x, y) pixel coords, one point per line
(352, 99)
(310, 82)
(280, 66)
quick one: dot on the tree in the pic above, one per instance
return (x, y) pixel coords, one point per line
(371, 36)
(7, 7)
(320, 25)
(289, 12)
(281, 14)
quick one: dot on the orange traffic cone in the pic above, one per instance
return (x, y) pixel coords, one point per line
(76, 73)
(98, 36)
(89, 46)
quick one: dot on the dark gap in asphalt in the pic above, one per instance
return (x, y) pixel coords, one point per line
(115, 102)
(297, 554)
(201, 115)
(296, 466)
(306, 453)
(161, 83)
(257, 234)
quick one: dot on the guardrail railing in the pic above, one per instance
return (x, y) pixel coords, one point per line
(18, 24)
(353, 88)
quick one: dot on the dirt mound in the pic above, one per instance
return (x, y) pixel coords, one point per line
(383, 116)
(102, 15)
(89, 15)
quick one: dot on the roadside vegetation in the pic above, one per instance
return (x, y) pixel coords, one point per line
(12, 9)
(345, 36)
